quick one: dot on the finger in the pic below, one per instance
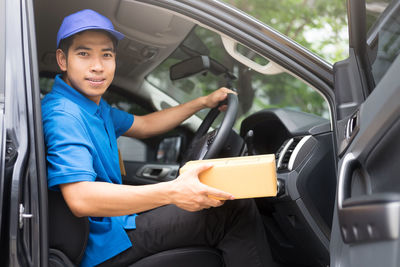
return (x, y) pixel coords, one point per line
(209, 202)
(222, 96)
(218, 194)
(229, 91)
(200, 168)
(216, 202)
(223, 108)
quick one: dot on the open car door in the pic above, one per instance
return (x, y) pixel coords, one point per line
(366, 221)
(23, 186)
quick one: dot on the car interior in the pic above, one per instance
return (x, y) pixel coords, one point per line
(168, 58)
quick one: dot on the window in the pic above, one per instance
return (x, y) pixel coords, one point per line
(383, 36)
(45, 84)
(374, 10)
(319, 25)
(255, 91)
(131, 149)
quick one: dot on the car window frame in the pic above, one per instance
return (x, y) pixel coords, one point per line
(2, 99)
(2, 53)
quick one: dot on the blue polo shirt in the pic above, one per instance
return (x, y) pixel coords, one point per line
(81, 144)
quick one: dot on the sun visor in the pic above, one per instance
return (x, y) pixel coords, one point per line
(149, 24)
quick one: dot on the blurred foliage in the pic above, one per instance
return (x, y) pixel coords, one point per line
(255, 91)
(319, 25)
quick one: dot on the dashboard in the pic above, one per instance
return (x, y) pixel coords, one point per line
(303, 147)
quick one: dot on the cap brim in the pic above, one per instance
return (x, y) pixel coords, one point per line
(116, 34)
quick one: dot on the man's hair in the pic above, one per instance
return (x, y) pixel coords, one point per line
(67, 42)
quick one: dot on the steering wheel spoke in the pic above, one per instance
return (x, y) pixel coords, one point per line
(206, 145)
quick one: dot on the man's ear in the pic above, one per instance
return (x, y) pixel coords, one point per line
(61, 60)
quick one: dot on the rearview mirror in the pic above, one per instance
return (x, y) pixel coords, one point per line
(197, 65)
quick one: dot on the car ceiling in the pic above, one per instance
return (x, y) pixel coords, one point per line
(152, 34)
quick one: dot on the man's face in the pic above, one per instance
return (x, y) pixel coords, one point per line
(90, 65)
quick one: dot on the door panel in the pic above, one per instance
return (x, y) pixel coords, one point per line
(143, 173)
(367, 215)
(141, 158)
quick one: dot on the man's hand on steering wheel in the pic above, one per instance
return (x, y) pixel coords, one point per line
(215, 98)
(206, 145)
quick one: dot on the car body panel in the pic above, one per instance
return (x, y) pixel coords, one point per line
(368, 177)
(366, 217)
(26, 225)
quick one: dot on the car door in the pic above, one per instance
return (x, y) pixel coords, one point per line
(23, 183)
(2, 127)
(366, 222)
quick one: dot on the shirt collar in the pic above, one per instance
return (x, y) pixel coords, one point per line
(61, 87)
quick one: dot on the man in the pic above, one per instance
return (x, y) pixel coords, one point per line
(80, 131)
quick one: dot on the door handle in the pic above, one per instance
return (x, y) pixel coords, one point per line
(155, 172)
(348, 165)
(365, 218)
(159, 172)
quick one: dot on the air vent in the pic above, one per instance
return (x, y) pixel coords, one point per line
(286, 151)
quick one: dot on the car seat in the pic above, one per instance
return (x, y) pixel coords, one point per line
(68, 237)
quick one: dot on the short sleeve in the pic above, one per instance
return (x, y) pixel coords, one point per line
(69, 150)
(122, 121)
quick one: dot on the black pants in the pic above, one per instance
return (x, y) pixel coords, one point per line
(234, 228)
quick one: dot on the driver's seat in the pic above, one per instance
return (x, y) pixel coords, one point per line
(68, 236)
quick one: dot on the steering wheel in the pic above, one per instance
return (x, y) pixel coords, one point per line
(207, 145)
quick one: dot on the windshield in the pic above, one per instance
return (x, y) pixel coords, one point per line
(255, 91)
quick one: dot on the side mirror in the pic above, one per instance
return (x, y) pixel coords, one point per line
(169, 149)
(196, 65)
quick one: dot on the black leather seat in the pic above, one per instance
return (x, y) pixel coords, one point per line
(68, 237)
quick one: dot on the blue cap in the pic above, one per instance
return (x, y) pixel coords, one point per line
(83, 20)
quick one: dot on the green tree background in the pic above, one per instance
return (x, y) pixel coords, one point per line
(299, 19)
(319, 25)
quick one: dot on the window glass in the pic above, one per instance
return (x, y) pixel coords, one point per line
(374, 10)
(123, 102)
(255, 91)
(319, 25)
(131, 149)
(45, 84)
(384, 36)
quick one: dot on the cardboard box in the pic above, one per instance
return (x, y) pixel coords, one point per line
(243, 177)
